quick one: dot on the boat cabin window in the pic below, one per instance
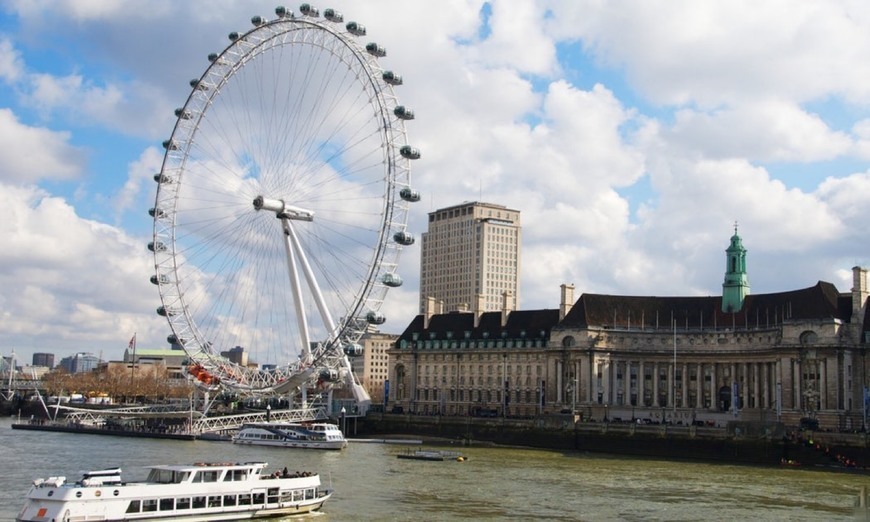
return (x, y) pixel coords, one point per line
(149, 504)
(182, 503)
(214, 501)
(167, 476)
(245, 499)
(167, 504)
(198, 502)
(229, 500)
(235, 475)
(206, 476)
(133, 507)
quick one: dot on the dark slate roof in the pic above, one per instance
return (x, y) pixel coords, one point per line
(821, 301)
(455, 324)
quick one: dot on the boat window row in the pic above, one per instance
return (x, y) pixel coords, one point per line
(165, 476)
(273, 496)
(261, 436)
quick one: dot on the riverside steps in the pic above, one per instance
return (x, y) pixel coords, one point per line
(747, 442)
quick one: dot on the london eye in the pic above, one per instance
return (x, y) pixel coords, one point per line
(281, 205)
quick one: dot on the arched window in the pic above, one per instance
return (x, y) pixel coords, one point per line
(809, 338)
(568, 341)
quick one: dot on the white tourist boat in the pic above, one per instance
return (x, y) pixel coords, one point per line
(196, 492)
(315, 435)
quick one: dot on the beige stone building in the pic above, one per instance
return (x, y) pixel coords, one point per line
(780, 356)
(470, 257)
(372, 367)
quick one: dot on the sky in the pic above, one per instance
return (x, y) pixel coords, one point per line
(632, 136)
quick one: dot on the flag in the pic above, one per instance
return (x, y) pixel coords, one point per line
(132, 344)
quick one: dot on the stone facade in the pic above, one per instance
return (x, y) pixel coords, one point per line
(783, 356)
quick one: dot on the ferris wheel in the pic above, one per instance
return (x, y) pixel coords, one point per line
(282, 205)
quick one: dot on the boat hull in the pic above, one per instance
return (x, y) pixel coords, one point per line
(199, 492)
(331, 445)
(323, 436)
(58, 515)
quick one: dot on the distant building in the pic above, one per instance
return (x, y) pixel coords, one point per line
(470, 258)
(149, 362)
(372, 367)
(237, 355)
(34, 372)
(43, 359)
(80, 362)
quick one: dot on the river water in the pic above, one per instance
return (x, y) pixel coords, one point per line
(493, 484)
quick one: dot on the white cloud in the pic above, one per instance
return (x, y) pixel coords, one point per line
(769, 130)
(517, 39)
(32, 154)
(69, 282)
(141, 174)
(11, 65)
(710, 52)
(82, 11)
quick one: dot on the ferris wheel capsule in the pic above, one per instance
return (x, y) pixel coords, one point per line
(282, 12)
(403, 113)
(156, 246)
(404, 238)
(409, 152)
(409, 195)
(356, 29)
(333, 16)
(376, 50)
(353, 349)
(392, 279)
(392, 78)
(309, 10)
(375, 318)
(329, 375)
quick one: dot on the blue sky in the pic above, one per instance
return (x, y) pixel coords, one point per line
(631, 136)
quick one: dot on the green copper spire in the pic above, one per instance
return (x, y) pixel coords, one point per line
(736, 285)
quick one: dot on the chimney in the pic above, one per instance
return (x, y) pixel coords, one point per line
(567, 300)
(507, 306)
(859, 294)
(432, 307)
(478, 308)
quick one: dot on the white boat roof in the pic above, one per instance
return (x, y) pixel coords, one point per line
(208, 465)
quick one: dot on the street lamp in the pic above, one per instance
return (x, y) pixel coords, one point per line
(343, 425)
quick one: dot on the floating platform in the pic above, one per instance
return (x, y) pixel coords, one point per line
(434, 455)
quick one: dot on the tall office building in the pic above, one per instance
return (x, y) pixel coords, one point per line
(43, 359)
(470, 258)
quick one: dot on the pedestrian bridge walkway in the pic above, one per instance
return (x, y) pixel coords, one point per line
(197, 422)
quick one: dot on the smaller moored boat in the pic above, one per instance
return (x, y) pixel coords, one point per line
(313, 435)
(201, 492)
(436, 455)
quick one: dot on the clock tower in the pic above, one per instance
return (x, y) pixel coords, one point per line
(736, 285)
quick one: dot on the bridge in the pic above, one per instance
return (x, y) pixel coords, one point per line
(197, 423)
